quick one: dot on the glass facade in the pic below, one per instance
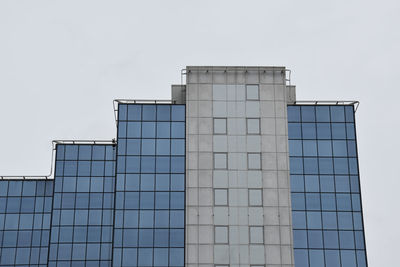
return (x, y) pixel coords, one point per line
(25, 211)
(108, 205)
(123, 204)
(150, 186)
(83, 206)
(326, 205)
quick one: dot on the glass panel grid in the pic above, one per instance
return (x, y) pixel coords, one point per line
(25, 209)
(82, 219)
(150, 196)
(327, 217)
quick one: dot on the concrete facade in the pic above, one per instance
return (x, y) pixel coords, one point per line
(238, 208)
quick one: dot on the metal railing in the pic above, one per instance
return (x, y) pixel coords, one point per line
(328, 102)
(138, 101)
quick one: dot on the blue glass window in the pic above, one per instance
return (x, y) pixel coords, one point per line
(314, 220)
(299, 220)
(161, 237)
(163, 129)
(149, 112)
(301, 257)
(300, 238)
(308, 131)
(308, 113)
(296, 148)
(322, 113)
(324, 131)
(337, 114)
(134, 112)
(148, 129)
(163, 147)
(315, 239)
(310, 148)
(331, 240)
(325, 165)
(133, 130)
(329, 220)
(346, 239)
(312, 183)
(325, 148)
(294, 131)
(297, 183)
(349, 112)
(148, 146)
(163, 113)
(348, 258)
(122, 112)
(177, 130)
(178, 147)
(293, 113)
(327, 183)
(178, 113)
(316, 258)
(326, 197)
(328, 201)
(296, 165)
(310, 165)
(338, 131)
(313, 201)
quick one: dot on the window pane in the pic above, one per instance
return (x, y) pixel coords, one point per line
(253, 126)
(221, 234)
(149, 112)
(221, 197)
(163, 112)
(256, 234)
(293, 113)
(220, 160)
(252, 92)
(254, 161)
(322, 114)
(308, 113)
(219, 125)
(134, 112)
(255, 197)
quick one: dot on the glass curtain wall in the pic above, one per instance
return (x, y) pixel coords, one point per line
(326, 206)
(25, 210)
(82, 219)
(150, 196)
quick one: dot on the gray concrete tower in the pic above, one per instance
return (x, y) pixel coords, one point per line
(237, 185)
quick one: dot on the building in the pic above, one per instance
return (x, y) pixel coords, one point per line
(232, 171)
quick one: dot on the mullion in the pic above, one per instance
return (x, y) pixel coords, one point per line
(33, 227)
(140, 185)
(334, 185)
(19, 223)
(74, 209)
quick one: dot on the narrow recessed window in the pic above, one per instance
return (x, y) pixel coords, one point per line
(221, 234)
(255, 197)
(252, 92)
(253, 126)
(220, 161)
(219, 125)
(256, 235)
(254, 161)
(221, 197)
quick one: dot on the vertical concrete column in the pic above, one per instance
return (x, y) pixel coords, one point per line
(237, 200)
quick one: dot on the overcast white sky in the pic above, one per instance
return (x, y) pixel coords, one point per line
(63, 62)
